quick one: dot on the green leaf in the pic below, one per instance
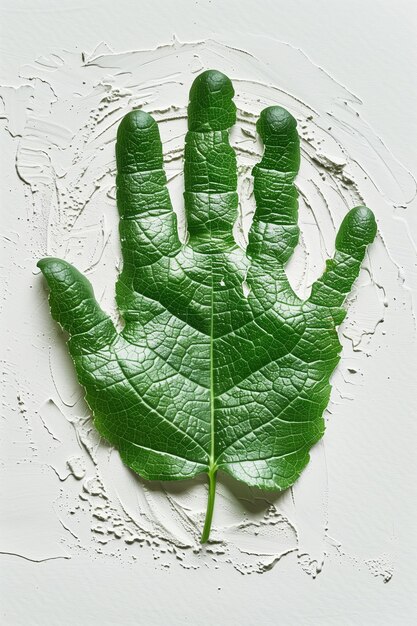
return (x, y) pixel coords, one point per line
(202, 377)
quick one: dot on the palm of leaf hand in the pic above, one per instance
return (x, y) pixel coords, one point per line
(205, 376)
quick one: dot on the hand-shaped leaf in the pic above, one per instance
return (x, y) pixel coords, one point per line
(203, 377)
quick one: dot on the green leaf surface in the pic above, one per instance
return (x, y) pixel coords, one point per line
(205, 377)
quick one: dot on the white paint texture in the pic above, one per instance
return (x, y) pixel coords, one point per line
(67, 500)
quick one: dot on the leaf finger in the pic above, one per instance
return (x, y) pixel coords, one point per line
(356, 232)
(148, 225)
(210, 163)
(75, 308)
(274, 230)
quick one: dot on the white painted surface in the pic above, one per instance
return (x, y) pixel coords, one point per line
(85, 542)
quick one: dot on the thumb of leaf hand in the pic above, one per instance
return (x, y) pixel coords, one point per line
(75, 308)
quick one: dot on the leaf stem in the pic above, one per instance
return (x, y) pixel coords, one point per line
(210, 505)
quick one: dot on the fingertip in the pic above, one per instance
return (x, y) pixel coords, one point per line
(138, 145)
(275, 120)
(358, 229)
(278, 131)
(51, 266)
(137, 119)
(72, 304)
(212, 82)
(41, 263)
(211, 105)
(61, 275)
(363, 219)
(133, 123)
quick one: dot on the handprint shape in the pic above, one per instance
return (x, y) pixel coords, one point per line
(205, 375)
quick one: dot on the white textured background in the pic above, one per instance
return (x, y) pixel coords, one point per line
(83, 541)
